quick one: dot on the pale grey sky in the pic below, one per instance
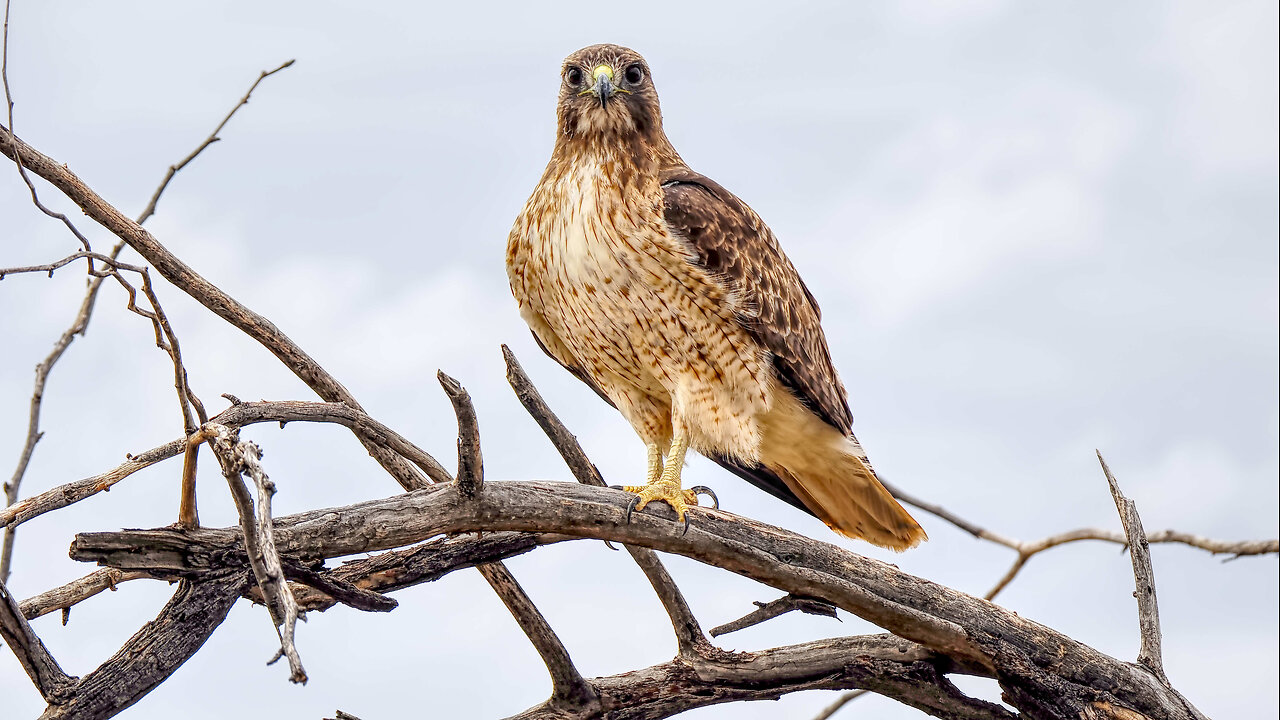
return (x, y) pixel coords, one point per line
(1035, 230)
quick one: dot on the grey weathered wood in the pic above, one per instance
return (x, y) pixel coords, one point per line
(1144, 578)
(470, 462)
(1030, 660)
(154, 652)
(32, 655)
(892, 666)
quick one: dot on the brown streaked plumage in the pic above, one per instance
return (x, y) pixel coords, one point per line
(671, 299)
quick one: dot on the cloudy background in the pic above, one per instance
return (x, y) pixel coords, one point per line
(1035, 230)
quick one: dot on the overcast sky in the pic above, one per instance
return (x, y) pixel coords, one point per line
(1035, 229)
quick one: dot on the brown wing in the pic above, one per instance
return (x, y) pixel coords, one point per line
(731, 241)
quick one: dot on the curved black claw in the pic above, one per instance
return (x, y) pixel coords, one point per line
(631, 506)
(611, 546)
(704, 490)
(685, 530)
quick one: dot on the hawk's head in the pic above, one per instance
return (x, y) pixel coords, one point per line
(605, 90)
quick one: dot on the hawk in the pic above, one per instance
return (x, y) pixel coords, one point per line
(671, 299)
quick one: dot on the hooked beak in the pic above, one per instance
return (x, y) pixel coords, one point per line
(603, 88)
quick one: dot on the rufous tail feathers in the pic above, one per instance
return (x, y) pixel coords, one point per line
(826, 470)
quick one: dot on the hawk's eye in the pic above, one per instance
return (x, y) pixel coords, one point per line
(634, 75)
(573, 76)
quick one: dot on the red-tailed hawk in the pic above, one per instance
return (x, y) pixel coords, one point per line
(672, 300)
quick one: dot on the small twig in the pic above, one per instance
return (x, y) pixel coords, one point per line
(339, 715)
(34, 657)
(239, 457)
(22, 171)
(76, 591)
(470, 462)
(1026, 550)
(1149, 653)
(770, 610)
(844, 699)
(213, 138)
(568, 686)
(689, 638)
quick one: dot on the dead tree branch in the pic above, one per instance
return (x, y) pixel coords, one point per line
(689, 637)
(1030, 660)
(1026, 550)
(771, 610)
(77, 591)
(239, 457)
(1149, 654)
(150, 209)
(154, 652)
(569, 691)
(206, 293)
(34, 657)
(236, 416)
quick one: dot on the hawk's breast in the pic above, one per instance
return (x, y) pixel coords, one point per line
(594, 263)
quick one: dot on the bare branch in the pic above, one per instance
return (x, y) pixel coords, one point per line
(770, 610)
(81, 322)
(62, 598)
(369, 430)
(1026, 550)
(569, 689)
(213, 138)
(154, 652)
(22, 171)
(978, 637)
(470, 462)
(429, 561)
(34, 657)
(340, 590)
(238, 457)
(1149, 654)
(204, 292)
(894, 667)
(689, 637)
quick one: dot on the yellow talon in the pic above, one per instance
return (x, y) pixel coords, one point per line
(669, 492)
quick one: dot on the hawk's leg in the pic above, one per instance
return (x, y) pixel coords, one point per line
(665, 486)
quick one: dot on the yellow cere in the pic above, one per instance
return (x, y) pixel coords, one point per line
(602, 70)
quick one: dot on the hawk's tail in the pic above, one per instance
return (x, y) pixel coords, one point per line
(830, 475)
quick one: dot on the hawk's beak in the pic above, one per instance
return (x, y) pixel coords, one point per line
(603, 88)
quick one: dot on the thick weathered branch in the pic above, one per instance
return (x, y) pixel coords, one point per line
(34, 657)
(154, 652)
(894, 667)
(689, 637)
(1029, 659)
(189, 281)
